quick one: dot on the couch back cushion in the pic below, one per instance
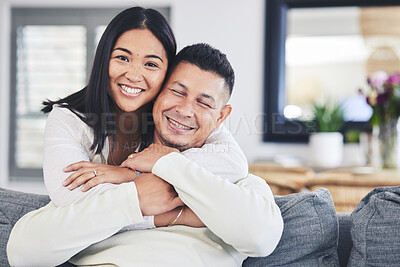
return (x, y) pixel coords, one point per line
(310, 233)
(375, 229)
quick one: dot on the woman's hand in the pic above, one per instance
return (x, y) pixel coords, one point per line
(145, 160)
(156, 196)
(91, 174)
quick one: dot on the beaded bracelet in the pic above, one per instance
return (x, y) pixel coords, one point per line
(177, 217)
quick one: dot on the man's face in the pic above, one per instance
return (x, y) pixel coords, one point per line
(190, 106)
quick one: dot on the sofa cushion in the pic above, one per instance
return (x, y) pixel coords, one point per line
(310, 233)
(375, 229)
(13, 205)
(345, 244)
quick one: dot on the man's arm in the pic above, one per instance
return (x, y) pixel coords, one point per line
(52, 235)
(244, 214)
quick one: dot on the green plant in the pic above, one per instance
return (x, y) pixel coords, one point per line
(328, 118)
(352, 136)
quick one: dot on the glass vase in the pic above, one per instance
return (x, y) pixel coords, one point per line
(388, 143)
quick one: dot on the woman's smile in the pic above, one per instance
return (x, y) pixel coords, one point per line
(130, 91)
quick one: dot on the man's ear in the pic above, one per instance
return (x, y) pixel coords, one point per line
(223, 114)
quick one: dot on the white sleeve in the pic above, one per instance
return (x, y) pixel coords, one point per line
(52, 235)
(221, 155)
(66, 142)
(243, 215)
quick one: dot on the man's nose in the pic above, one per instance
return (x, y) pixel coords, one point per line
(185, 108)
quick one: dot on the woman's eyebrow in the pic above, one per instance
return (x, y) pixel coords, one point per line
(124, 50)
(154, 56)
(130, 53)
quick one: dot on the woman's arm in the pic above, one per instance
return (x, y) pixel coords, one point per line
(244, 214)
(67, 140)
(220, 155)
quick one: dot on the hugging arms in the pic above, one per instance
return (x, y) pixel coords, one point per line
(241, 218)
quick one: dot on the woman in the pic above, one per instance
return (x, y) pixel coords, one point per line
(108, 119)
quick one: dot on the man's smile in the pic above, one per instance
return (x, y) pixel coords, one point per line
(178, 125)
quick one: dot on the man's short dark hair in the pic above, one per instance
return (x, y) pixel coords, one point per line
(206, 58)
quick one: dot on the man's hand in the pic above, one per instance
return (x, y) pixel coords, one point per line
(145, 160)
(155, 195)
(91, 174)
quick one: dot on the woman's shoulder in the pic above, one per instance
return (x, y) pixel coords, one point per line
(63, 122)
(65, 118)
(64, 114)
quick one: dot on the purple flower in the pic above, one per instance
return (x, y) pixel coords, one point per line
(377, 79)
(394, 79)
(382, 98)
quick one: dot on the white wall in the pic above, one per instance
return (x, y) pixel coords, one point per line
(234, 26)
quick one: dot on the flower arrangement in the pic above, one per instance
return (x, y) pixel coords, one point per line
(384, 96)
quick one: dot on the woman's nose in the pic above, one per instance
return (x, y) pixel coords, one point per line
(135, 73)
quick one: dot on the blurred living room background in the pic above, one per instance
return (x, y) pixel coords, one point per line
(284, 63)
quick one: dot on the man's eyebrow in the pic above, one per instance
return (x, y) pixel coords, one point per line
(181, 85)
(130, 53)
(202, 95)
(208, 97)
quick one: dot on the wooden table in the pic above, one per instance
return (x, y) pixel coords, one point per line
(347, 186)
(282, 180)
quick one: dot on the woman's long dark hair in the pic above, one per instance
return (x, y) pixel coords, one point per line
(92, 104)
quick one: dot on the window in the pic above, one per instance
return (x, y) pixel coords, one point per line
(52, 54)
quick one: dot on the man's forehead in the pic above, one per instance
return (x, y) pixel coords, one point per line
(191, 78)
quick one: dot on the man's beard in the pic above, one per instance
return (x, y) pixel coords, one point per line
(177, 146)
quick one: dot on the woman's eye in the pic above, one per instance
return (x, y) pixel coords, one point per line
(123, 58)
(150, 64)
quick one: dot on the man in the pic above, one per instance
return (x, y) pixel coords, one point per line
(241, 219)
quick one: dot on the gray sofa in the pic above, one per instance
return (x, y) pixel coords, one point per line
(314, 234)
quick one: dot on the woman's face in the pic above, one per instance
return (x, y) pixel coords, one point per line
(137, 68)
